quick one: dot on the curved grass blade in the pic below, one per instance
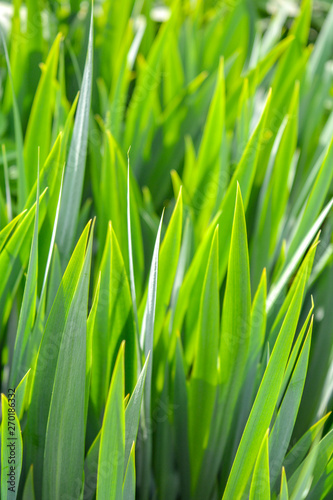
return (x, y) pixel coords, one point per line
(168, 261)
(284, 495)
(130, 249)
(8, 229)
(129, 480)
(236, 314)
(264, 404)
(260, 484)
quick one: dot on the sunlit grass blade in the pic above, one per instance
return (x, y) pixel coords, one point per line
(38, 132)
(260, 484)
(8, 228)
(113, 444)
(147, 343)
(236, 314)
(286, 417)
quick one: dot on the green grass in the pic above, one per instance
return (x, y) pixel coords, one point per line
(166, 250)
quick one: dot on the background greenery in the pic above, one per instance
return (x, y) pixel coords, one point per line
(165, 294)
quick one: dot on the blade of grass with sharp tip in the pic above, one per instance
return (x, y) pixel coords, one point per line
(11, 444)
(39, 127)
(28, 308)
(91, 468)
(147, 342)
(283, 426)
(301, 448)
(132, 412)
(29, 492)
(20, 395)
(260, 484)
(114, 173)
(148, 321)
(8, 229)
(129, 480)
(190, 290)
(204, 378)
(140, 106)
(48, 174)
(236, 314)
(264, 404)
(244, 175)
(168, 261)
(46, 363)
(314, 202)
(112, 445)
(74, 174)
(284, 495)
(64, 447)
(305, 268)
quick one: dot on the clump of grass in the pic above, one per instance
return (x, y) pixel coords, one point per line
(166, 318)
